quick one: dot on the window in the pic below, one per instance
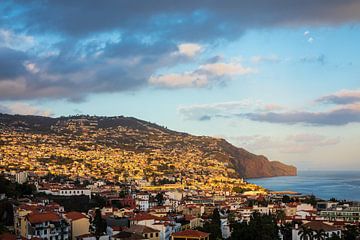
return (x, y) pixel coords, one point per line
(156, 234)
(151, 235)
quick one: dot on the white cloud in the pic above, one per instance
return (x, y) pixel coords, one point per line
(189, 49)
(16, 41)
(221, 69)
(24, 109)
(306, 33)
(175, 80)
(203, 76)
(311, 39)
(31, 67)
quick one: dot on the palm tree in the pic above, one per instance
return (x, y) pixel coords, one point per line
(320, 234)
(351, 232)
(305, 233)
(280, 216)
(334, 236)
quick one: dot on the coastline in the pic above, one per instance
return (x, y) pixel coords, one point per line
(323, 184)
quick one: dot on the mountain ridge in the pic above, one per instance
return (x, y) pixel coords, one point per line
(142, 137)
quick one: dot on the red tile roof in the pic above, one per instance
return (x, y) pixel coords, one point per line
(318, 225)
(43, 217)
(191, 233)
(142, 217)
(141, 229)
(75, 215)
(7, 236)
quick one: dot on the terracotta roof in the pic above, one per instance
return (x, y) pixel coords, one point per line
(191, 233)
(189, 217)
(127, 235)
(43, 217)
(318, 225)
(118, 228)
(7, 236)
(75, 215)
(142, 217)
(141, 229)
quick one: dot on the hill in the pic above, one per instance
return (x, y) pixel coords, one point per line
(120, 148)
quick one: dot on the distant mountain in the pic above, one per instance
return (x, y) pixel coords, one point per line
(201, 154)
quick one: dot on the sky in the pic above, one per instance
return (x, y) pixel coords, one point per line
(279, 78)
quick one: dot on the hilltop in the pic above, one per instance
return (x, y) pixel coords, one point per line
(120, 148)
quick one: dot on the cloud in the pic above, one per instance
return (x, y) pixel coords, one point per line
(189, 49)
(308, 37)
(24, 109)
(203, 76)
(341, 97)
(11, 63)
(9, 39)
(221, 69)
(314, 59)
(70, 49)
(299, 143)
(269, 59)
(223, 109)
(347, 111)
(335, 117)
(211, 17)
(174, 80)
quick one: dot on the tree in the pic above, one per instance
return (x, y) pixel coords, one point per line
(286, 199)
(305, 233)
(311, 200)
(160, 198)
(320, 234)
(334, 236)
(260, 227)
(99, 224)
(286, 231)
(351, 232)
(280, 216)
(213, 227)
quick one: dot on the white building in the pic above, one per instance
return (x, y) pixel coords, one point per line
(46, 225)
(21, 177)
(60, 190)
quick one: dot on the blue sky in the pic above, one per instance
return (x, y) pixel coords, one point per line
(276, 78)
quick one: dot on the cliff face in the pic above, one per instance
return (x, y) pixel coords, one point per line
(144, 138)
(249, 165)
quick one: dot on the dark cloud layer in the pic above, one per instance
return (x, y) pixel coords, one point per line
(85, 17)
(11, 63)
(343, 97)
(112, 46)
(335, 117)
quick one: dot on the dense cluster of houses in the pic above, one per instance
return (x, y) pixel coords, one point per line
(167, 214)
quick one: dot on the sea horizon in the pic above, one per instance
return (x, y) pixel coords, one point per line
(324, 184)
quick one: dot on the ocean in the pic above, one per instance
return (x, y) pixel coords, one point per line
(324, 184)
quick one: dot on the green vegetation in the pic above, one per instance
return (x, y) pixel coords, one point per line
(77, 203)
(213, 227)
(15, 190)
(260, 227)
(99, 224)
